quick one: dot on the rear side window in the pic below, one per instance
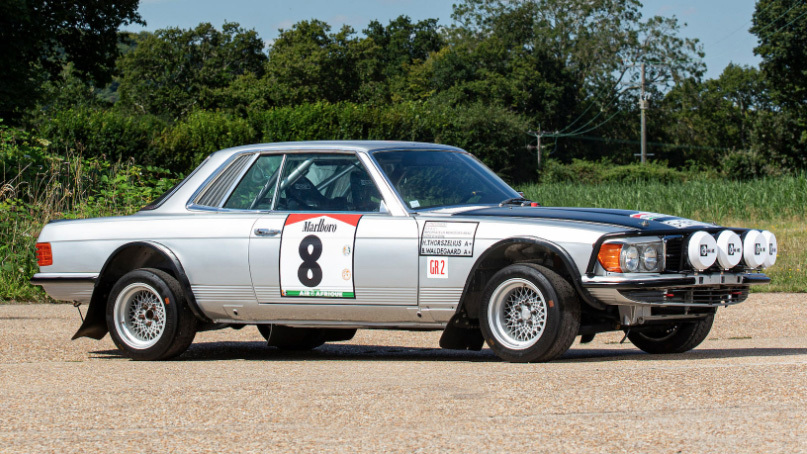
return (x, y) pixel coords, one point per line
(257, 189)
(213, 194)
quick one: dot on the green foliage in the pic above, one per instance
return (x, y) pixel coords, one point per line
(110, 134)
(781, 28)
(493, 134)
(189, 141)
(172, 72)
(40, 37)
(589, 172)
(706, 199)
(38, 185)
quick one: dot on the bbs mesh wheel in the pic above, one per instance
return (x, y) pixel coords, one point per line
(529, 314)
(147, 316)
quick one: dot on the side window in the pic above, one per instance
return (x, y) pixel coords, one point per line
(326, 182)
(256, 190)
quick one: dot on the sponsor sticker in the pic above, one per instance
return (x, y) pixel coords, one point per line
(648, 216)
(681, 223)
(451, 239)
(437, 267)
(316, 255)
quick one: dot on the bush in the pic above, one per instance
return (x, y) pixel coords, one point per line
(188, 142)
(108, 134)
(588, 172)
(493, 134)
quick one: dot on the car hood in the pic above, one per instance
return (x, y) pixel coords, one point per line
(640, 220)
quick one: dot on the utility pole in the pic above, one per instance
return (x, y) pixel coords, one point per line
(537, 135)
(643, 108)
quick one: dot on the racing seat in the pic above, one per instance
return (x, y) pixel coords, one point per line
(362, 191)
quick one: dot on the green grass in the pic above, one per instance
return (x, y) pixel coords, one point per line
(775, 204)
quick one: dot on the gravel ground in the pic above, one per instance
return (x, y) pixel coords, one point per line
(743, 390)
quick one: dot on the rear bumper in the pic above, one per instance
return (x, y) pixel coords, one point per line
(681, 290)
(67, 286)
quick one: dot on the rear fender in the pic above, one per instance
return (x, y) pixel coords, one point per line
(132, 256)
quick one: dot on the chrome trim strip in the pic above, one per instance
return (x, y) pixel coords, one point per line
(337, 324)
(53, 278)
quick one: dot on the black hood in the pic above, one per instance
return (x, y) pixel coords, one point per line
(627, 218)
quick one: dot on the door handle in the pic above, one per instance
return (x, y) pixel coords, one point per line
(267, 232)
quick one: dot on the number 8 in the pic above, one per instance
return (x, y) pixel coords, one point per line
(310, 265)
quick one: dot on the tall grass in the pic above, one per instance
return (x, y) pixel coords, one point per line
(706, 200)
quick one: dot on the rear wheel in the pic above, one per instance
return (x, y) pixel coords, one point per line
(529, 314)
(148, 317)
(676, 338)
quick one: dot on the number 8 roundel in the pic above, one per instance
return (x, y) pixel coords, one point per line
(316, 255)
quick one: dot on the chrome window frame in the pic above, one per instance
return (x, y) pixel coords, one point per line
(391, 200)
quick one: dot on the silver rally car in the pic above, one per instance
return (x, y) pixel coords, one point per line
(311, 241)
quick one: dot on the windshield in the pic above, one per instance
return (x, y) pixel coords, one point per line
(432, 179)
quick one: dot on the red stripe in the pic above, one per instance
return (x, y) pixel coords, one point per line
(352, 219)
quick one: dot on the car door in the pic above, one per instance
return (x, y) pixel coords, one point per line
(330, 242)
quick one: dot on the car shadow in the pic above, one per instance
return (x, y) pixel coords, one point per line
(258, 351)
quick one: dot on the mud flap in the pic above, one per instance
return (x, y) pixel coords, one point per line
(94, 325)
(457, 337)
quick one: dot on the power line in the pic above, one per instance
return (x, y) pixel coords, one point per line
(759, 32)
(788, 24)
(655, 144)
(743, 25)
(593, 102)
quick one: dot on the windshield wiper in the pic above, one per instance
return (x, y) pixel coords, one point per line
(518, 201)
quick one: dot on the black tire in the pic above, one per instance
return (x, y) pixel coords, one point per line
(550, 297)
(133, 315)
(288, 338)
(676, 338)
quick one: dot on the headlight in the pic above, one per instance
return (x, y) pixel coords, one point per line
(630, 259)
(632, 255)
(650, 258)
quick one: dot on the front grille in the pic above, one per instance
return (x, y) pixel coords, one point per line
(674, 257)
(707, 296)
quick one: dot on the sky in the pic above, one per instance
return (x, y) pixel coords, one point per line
(721, 25)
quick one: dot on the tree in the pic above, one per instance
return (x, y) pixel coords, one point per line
(39, 37)
(308, 63)
(781, 28)
(715, 114)
(172, 71)
(566, 64)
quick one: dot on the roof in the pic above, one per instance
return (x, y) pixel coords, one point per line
(359, 146)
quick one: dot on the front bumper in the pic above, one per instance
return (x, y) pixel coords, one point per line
(700, 290)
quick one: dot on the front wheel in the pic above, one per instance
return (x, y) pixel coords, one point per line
(676, 338)
(148, 317)
(529, 314)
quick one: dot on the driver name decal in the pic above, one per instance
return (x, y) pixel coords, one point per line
(452, 239)
(316, 255)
